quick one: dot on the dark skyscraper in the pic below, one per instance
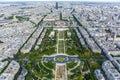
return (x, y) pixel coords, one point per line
(56, 5)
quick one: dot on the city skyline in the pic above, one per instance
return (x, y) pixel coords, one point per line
(59, 40)
(64, 0)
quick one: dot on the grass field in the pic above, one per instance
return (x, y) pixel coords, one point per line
(61, 42)
(61, 34)
(61, 46)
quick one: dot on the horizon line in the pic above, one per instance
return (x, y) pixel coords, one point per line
(58, 1)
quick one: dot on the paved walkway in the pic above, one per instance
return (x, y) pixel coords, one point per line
(61, 71)
(65, 56)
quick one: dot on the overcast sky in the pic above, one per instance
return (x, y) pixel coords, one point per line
(68, 0)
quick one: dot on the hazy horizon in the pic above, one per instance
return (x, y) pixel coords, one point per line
(63, 0)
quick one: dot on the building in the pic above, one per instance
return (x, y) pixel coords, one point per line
(56, 5)
(110, 71)
(99, 75)
(10, 71)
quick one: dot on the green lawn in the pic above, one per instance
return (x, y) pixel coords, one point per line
(61, 59)
(61, 46)
(61, 34)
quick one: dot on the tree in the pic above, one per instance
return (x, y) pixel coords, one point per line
(87, 55)
(60, 16)
(1, 41)
(28, 66)
(80, 77)
(95, 65)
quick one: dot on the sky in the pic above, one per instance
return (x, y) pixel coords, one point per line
(65, 0)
